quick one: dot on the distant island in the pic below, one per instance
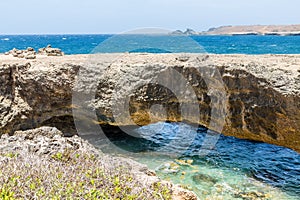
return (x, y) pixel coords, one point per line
(281, 30)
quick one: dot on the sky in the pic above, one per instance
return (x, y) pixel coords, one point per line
(117, 16)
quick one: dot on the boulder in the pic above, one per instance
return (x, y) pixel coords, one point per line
(49, 51)
(30, 56)
(29, 53)
(30, 49)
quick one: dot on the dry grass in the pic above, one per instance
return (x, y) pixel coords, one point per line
(70, 174)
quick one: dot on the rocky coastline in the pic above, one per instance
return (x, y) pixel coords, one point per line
(42, 164)
(262, 93)
(262, 103)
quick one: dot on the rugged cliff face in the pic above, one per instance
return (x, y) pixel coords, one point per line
(252, 97)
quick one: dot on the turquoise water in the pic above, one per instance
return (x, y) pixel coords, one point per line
(84, 44)
(234, 169)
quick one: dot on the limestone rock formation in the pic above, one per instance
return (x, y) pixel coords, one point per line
(262, 92)
(49, 51)
(29, 53)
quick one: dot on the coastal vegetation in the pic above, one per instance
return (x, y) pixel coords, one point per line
(69, 168)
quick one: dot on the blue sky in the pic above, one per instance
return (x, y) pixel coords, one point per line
(114, 16)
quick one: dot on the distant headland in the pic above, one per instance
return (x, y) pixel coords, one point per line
(281, 30)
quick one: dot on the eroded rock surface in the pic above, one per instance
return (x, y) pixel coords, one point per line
(262, 93)
(29, 53)
(50, 51)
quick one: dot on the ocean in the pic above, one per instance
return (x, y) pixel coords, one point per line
(85, 44)
(235, 169)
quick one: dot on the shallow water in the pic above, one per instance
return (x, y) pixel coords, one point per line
(233, 169)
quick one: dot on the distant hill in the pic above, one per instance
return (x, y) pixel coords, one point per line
(293, 30)
(255, 30)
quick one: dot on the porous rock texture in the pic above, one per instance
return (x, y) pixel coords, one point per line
(256, 97)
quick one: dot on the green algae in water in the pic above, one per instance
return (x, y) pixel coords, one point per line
(213, 183)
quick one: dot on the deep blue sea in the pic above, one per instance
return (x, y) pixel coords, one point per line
(85, 44)
(235, 169)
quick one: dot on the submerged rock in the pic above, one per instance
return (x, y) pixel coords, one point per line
(184, 162)
(169, 168)
(252, 195)
(200, 178)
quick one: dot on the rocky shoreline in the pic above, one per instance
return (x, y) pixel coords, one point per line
(41, 163)
(262, 92)
(262, 103)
